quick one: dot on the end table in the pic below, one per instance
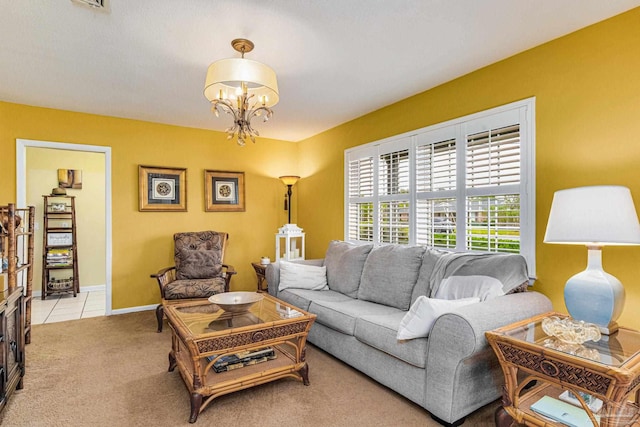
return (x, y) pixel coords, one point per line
(261, 270)
(534, 366)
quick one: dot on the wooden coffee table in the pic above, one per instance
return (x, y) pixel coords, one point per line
(203, 335)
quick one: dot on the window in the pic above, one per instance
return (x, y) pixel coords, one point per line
(464, 185)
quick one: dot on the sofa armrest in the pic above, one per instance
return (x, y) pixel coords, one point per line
(462, 331)
(272, 273)
(457, 347)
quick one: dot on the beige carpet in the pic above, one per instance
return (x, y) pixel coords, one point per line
(112, 371)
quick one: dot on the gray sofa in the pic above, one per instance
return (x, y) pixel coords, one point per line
(453, 371)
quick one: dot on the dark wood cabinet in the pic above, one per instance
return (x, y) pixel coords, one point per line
(16, 250)
(16, 278)
(12, 341)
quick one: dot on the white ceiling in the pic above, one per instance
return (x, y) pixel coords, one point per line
(335, 59)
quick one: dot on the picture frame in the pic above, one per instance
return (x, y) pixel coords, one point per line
(223, 191)
(162, 189)
(70, 178)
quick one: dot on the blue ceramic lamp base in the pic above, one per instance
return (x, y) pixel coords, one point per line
(594, 295)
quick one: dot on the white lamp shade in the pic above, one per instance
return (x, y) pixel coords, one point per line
(597, 215)
(226, 75)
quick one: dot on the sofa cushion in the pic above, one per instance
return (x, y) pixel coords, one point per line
(458, 287)
(417, 323)
(379, 331)
(509, 269)
(389, 275)
(341, 315)
(429, 260)
(344, 262)
(301, 276)
(302, 298)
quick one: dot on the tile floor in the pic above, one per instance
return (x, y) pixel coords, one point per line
(58, 308)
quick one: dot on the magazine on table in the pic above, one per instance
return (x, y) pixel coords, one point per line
(562, 412)
(242, 359)
(593, 403)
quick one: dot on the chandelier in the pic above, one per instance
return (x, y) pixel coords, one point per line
(242, 88)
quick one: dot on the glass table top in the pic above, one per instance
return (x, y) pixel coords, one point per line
(611, 350)
(203, 317)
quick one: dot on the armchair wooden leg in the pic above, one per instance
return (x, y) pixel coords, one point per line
(159, 316)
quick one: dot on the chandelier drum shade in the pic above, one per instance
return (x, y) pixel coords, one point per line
(242, 88)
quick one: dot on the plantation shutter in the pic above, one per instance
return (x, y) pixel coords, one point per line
(493, 157)
(394, 206)
(361, 186)
(464, 185)
(436, 174)
(493, 171)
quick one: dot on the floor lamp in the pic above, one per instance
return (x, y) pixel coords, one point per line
(289, 181)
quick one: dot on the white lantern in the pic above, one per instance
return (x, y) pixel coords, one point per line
(289, 243)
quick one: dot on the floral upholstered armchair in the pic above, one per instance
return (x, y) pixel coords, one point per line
(199, 270)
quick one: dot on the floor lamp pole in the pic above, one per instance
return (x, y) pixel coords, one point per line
(289, 192)
(289, 181)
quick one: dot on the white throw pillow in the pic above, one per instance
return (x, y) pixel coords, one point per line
(419, 320)
(302, 276)
(457, 287)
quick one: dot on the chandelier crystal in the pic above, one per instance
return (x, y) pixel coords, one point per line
(242, 88)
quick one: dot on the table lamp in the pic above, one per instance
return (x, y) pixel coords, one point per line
(594, 216)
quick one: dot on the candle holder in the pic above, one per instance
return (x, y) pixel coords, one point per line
(289, 243)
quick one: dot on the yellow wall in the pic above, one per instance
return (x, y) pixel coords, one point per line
(142, 241)
(42, 175)
(587, 98)
(588, 132)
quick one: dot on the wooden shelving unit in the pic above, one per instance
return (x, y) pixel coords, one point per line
(16, 278)
(59, 246)
(17, 248)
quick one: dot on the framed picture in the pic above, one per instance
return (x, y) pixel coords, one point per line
(162, 189)
(70, 178)
(223, 191)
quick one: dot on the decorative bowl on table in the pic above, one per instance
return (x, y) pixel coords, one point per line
(235, 302)
(569, 330)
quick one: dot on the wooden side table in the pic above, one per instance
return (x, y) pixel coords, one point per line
(260, 273)
(534, 367)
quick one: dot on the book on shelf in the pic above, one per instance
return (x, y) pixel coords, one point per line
(59, 257)
(58, 251)
(242, 359)
(592, 402)
(562, 412)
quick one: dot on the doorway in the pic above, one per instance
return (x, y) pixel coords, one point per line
(25, 149)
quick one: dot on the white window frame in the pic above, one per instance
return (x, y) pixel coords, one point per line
(523, 111)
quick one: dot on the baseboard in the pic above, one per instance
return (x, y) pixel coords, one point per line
(94, 288)
(134, 309)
